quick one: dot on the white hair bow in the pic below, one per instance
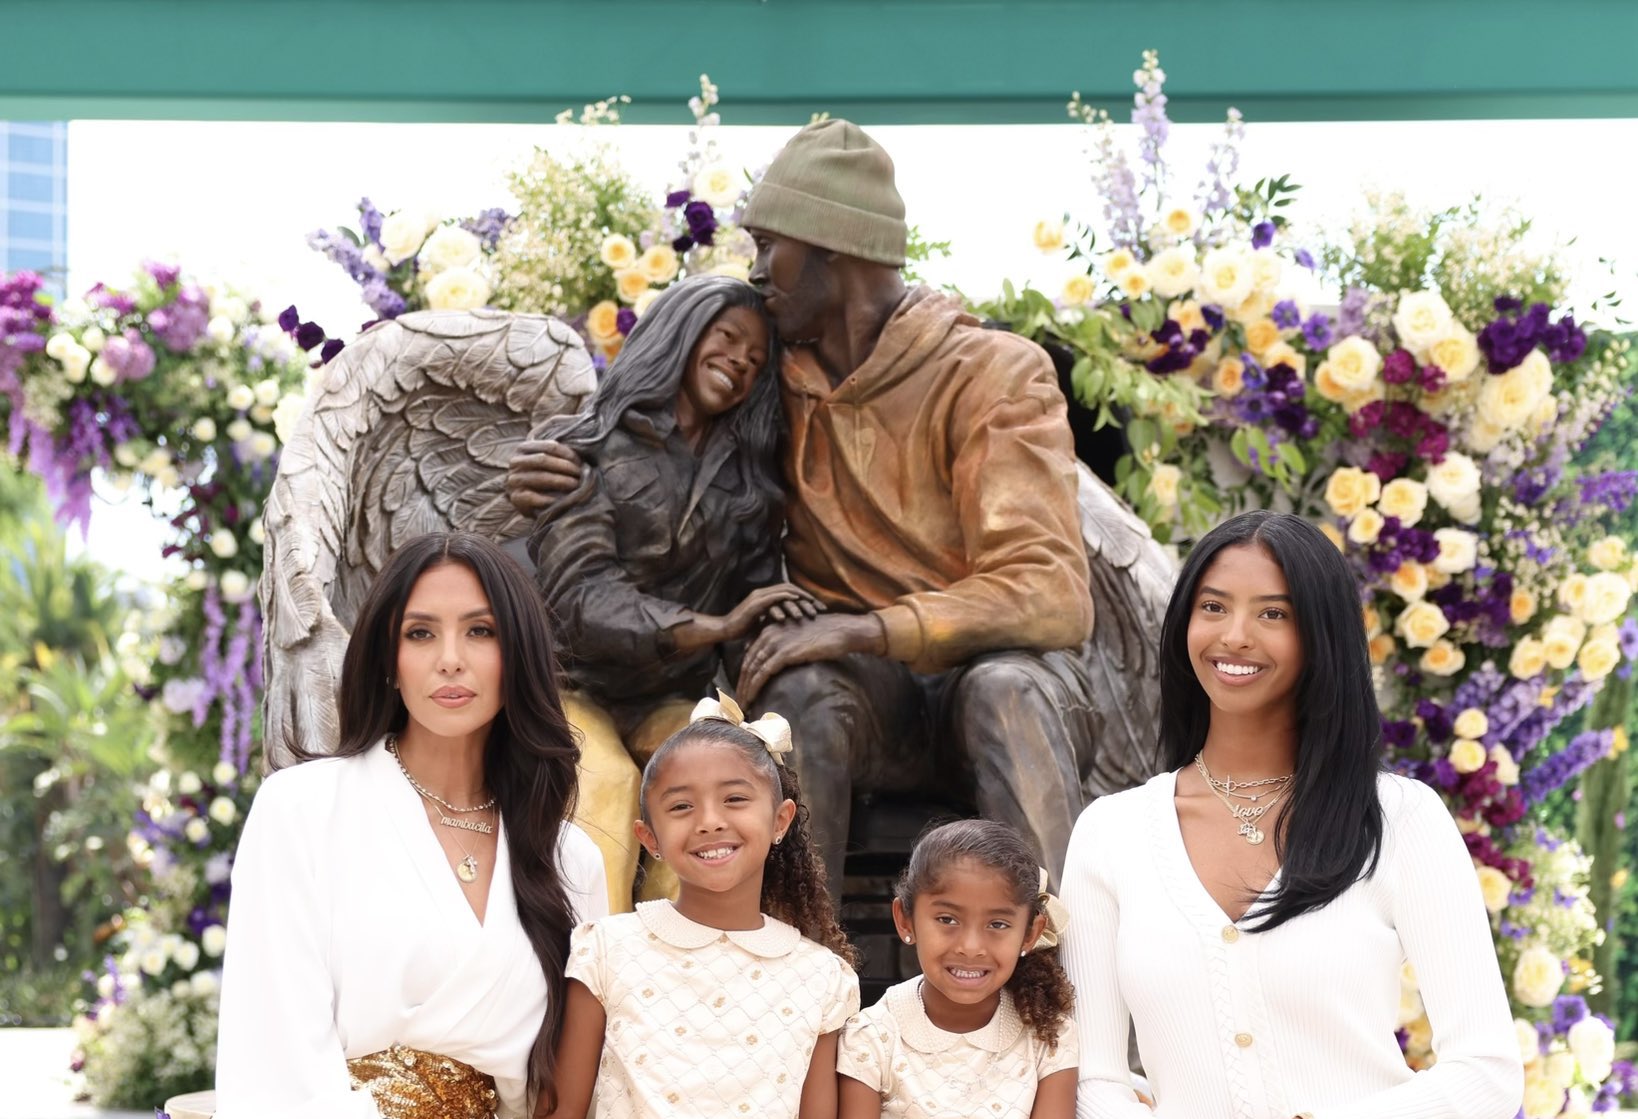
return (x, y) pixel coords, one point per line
(772, 729)
(1057, 915)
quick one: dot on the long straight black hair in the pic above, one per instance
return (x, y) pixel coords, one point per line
(645, 378)
(531, 756)
(1330, 834)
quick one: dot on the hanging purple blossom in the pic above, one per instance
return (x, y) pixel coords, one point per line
(369, 221)
(1262, 235)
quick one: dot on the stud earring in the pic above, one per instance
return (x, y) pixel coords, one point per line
(907, 940)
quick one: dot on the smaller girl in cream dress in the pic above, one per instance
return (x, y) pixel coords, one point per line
(986, 1029)
(728, 1001)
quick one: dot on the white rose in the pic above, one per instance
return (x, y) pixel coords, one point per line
(1467, 756)
(1457, 354)
(204, 429)
(287, 414)
(1351, 489)
(1608, 553)
(1173, 272)
(375, 258)
(1543, 1096)
(1507, 401)
(1409, 581)
(1605, 598)
(1593, 1044)
(1576, 1105)
(718, 185)
(1366, 527)
(1598, 658)
(1454, 480)
(240, 430)
(187, 955)
(223, 811)
(196, 830)
(450, 246)
(235, 586)
(105, 985)
(1458, 550)
(92, 338)
(457, 289)
(204, 983)
(1421, 624)
(403, 233)
(1471, 723)
(257, 534)
(102, 373)
(267, 392)
(59, 344)
(1404, 498)
(213, 940)
(1163, 484)
(154, 461)
(1537, 977)
(223, 773)
(220, 330)
(241, 397)
(153, 961)
(1528, 659)
(1421, 319)
(75, 364)
(262, 444)
(1529, 1041)
(224, 544)
(1444, 658)
(196, 580)
(1495, 887)
(1178, 222)
(618, 251)
(189, 784)
(1353, 364)
(645, 301)
(1227, 276)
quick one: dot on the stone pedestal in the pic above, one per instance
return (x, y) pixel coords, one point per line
(194, 1105)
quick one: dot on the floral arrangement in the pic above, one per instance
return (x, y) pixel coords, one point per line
(185, 392)
(1431, 424)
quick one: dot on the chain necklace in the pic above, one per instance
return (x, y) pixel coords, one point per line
(1246, 815)
(467, 869)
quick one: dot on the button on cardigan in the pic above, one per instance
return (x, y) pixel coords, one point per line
(1233, 1024)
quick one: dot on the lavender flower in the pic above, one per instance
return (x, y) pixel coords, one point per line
(369, 220)
(488, 226)
(1351, 312)
(1558, 769)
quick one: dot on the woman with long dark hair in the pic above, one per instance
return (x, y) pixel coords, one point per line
(668, 553)
(1250, 910)
(401, 911)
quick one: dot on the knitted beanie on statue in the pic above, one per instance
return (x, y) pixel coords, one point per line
(832, 186)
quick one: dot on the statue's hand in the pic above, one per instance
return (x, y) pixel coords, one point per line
(782, 602)
(825, 638)
(541, 471)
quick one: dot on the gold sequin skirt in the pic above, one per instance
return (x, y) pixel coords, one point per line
(412, 1084)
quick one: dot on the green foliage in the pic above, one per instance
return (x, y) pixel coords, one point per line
(918, 250)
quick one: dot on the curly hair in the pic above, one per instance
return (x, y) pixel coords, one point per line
(794, 886)
(1041, 992)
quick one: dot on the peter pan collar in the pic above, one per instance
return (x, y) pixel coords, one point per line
(997, 1035)
(773, 939)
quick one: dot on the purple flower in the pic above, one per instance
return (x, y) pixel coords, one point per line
(129, 356)
(682, 244)
(1564, 341)
(488, 226)
(702, 222)
(331, 348)
(1317, 331)
(1399, 368)
(1213, 314)
(381, 299)
(1567, 1011)
(165, 275)
(677, 198)
(1262, 235)
(1351, 312)
(1286, 314)
(625, 319)
(309, 334)
(369, 220)
(1305, 259)
(182, 323)
(289, 318)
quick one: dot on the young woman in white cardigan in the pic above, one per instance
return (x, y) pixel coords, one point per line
(401, 911)
(1250, 910)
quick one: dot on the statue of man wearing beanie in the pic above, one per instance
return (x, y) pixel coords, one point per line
(932, 507)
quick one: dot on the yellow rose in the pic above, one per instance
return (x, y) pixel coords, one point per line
(1186, 313)
(1134, 282)
(1572, 592)
(1508, 400)
(1444, 658)
(1049, 236)
(645, 301)
(1471, 723)
(1118, 263)
(1372, 620)
(1382, 647)
(1229, 377)
(1598, 659)
(618, 251)
(1326, 385)
(1329, 531)
(1560, 640)
(658, 264)
(1404, 498)
(1537, 978)
(602, 321)
(1436, 578)
(629, 283)
(1078, 290)
(1351, 489)
(1605, 599)
(719, 185)
(1255, 306)
(1354, 364)
(1265, 271)
(1529, 658)
(1457, 354)
(457, 289)
(1366, 527)
(1608, 554)
(1521, 607)
(1421, 624)
(1173, 271)
(1281, 353)
(1495, 886)
(1179, 222)
(1467, 756)
(1507, 770)
(1226, 276)
(1164, 483)
(1410, 582)
(1260, 335)
(1543, 1097)
(1546, 413)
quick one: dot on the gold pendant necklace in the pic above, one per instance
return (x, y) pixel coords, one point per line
(1245, 815)
(467, 869)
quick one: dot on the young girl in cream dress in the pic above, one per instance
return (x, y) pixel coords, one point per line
(728, 1001)
(986, 1029)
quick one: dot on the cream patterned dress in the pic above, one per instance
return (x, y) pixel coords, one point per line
(924, 1072)
(703, 1022)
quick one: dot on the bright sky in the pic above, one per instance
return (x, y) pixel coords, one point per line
(234, 201)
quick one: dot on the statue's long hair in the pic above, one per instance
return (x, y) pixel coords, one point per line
(641, 385)
(531, 758)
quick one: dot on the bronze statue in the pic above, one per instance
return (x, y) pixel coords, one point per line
(936, 508)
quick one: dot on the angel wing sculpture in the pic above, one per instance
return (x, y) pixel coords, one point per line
(410, 431)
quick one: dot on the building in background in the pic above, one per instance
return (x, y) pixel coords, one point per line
(34, 199)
